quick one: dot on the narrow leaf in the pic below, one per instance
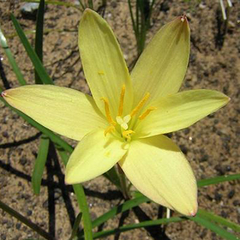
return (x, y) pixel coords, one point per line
(215, 180)
(26, 221)
(39, 37)
(81, 199)
(125, 228)
(141, 199)
(113, 177)
(40, 164)
(4, 45)
(76, 226)
(220, 220)
(31, 53)
(119, 209)
(199, 218)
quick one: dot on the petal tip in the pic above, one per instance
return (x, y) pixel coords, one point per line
(4, 94)
(183, 18)
(193, 213)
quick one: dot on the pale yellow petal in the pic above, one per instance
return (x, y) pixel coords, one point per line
(63, 110)
(103, 63)
(161, 68)
(93, 156)
(158, 169)
(180, 110)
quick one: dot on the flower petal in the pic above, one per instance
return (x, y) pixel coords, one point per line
(161, 67)
(158, 169)
(180, 110)
(63, 110)
(103, 63)
(93, 156)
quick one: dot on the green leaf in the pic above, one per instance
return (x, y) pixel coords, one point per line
(31, 53)
(4, 45)
(215, 180)
(26, 221)
(119, 209)
(141, 199)
(39, 37)
(199, 218)
(138, 225)
(81, 199)
(40, 164)
(220, 220)
(113, 177)
(76, 226)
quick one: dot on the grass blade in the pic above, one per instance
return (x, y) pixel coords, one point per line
(215, 180)
(141, 199)
(113, 177)
(82, 201)
(24, 220)
(199, 219)
(125, 228)
(4, 44)
(40, 164)
(220, 220)
(119, 209)
(31, 53)
(39, 37)
(76, 226)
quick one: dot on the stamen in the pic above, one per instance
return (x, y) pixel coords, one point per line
(107, 110)
(127, 134)
(139, 106)
(120, 109)
(108, 130)
(142, 116)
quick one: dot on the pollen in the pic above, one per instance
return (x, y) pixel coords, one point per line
(101, 72)
(107, 110)
(127, 134)
(140, 104)
(150, 109)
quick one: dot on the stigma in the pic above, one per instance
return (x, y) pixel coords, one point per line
(121, 125)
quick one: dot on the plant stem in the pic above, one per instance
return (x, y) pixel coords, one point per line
(123, 183)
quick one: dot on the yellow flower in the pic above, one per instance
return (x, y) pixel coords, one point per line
(126, 118)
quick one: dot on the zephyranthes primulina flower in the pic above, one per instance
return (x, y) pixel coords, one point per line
(125, 118)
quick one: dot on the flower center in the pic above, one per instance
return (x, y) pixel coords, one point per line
(121, 125)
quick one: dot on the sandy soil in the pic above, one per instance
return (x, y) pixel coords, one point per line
(211, 145)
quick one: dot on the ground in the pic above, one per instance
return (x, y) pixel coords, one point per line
(211, 145)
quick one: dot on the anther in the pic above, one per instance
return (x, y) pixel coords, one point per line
(140, 104)
(107, 110)
(120, 109)
(142, 116)
(127, 134)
